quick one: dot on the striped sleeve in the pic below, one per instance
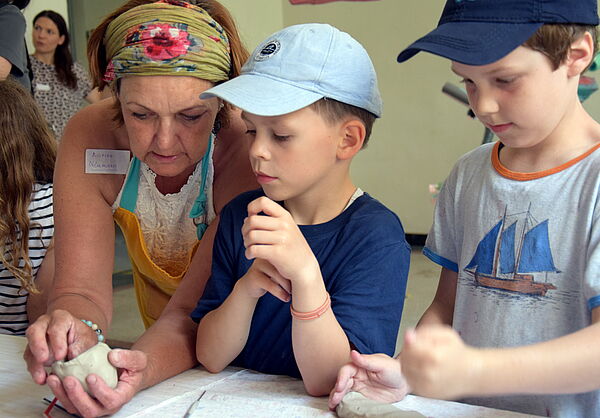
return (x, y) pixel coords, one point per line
(13, 302)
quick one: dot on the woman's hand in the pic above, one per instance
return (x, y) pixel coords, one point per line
(376, 376)
(102, 400)
(55, 336)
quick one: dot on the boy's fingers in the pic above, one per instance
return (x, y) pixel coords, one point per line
(279, 292)
(261, 237)
(257, 251)
(335, 398)
(266, 205)
(263, 223)
(345, 376)
(365, 361)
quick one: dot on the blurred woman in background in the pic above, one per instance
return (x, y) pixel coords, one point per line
(59, 84)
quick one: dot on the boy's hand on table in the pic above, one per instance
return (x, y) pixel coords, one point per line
(376, 376)
(438, 364)
(275, 237)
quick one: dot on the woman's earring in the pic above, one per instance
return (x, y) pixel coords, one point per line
(216, 126)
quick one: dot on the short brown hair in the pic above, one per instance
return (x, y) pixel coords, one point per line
(97, 51)
(554, 40)
(333, 111)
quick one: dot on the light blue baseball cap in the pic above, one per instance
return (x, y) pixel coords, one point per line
(299, 65)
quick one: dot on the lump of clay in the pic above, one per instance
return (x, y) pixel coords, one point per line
(94, 360)
(355, 405)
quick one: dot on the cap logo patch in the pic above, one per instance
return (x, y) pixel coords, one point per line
(268, 51)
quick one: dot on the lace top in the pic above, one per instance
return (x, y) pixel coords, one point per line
(168, 231)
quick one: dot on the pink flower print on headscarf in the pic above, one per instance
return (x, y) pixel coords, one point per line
(109, 74)
(163, 42)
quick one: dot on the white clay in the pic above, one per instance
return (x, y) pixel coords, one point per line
(94, 360)
(355, 405)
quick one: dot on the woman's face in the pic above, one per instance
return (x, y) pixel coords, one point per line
(167, 122)
(46, 36)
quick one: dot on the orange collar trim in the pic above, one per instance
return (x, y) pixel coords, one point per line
(514, 175)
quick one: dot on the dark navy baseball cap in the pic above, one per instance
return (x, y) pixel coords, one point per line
(479, 32)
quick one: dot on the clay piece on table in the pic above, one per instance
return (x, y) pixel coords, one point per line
(94, 360)
(355, 405)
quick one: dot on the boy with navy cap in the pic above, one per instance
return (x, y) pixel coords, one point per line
(516, 228)
(309, 266)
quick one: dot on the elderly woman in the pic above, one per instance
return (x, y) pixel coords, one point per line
(189, 159)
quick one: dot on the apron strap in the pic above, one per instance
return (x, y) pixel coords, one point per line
(130, 191)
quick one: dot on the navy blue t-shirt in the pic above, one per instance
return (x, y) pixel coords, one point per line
(364, 260)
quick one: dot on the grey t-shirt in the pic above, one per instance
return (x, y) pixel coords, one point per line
(12, 43)
(526, 249)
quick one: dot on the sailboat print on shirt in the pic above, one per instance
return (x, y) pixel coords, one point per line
(506, 262)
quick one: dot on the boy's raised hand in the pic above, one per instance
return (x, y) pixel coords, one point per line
(262, 277)
(438, 364)
(376, 376)
(274, 236)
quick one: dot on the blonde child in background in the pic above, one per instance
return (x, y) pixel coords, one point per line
(516, 227)
(27, 155)
(310, 266)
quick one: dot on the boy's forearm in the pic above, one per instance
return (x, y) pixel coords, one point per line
(434, 315)
(320, 347)
(222, 333)
(568, 364)
(441, 310)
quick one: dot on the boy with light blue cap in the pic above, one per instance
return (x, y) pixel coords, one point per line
(310, 266)
(516, 227)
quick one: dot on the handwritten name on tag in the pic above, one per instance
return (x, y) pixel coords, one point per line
(106, 161)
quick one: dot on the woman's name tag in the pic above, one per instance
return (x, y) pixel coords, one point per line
(42, 87)
(106, 161)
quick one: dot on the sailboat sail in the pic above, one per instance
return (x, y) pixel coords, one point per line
(536, 255)
(507, 250)
(483, 260)
(509, 264)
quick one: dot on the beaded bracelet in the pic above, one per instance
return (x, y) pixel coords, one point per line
(95, 328)
(312, 314)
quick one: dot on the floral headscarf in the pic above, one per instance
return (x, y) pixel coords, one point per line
(169, 37)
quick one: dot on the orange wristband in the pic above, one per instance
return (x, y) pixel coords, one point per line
(312, 314)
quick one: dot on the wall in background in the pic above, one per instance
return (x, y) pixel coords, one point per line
(86, 15)
(255, 19)
(422, 132)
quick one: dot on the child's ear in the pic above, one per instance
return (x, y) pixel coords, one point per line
(353, 136)
(580, 55)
